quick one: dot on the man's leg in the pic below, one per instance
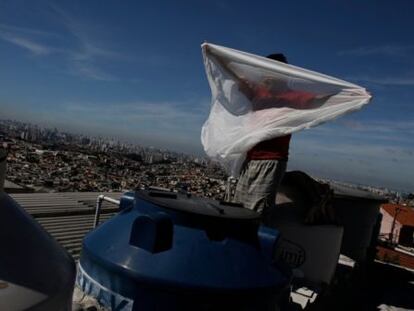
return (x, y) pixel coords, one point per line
(258, 183)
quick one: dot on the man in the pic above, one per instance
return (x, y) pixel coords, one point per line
(266, 162)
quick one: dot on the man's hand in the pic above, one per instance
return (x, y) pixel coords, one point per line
(244, 85)
(207, 49)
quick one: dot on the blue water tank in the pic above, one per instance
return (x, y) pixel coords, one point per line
(169, 251)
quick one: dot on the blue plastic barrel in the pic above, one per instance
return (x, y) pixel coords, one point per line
(169, 251)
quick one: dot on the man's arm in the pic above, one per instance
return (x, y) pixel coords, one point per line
(246, 87)
(299, 100)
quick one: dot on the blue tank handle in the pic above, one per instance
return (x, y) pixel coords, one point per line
(152, 232)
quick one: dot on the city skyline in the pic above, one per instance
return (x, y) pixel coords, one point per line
(36, 135)
(134, 71)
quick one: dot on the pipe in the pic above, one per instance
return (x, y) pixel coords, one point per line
(99, 201)
(230, 187)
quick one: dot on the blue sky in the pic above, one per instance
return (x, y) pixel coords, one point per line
(133, 69)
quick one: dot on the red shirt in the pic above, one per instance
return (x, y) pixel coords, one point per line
(276, 148)
(264, 98)
(272, 149)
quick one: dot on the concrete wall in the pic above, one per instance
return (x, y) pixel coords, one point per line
(386, 226)
(358, 216)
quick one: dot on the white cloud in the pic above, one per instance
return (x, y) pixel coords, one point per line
(28, 44)
(26, 31)
(90, 71)
(160, 115)
(358, 150)
(369, 162)
(386, 132)
(384, 50)
(383, 126)
(376, 152)
(398, 52)
(82, 60)
(385, 80)
(173, 125)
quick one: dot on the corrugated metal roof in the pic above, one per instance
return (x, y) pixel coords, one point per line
(67, 216)
(9, 184)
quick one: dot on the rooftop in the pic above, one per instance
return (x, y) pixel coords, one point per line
(404, 214)
(67, 216)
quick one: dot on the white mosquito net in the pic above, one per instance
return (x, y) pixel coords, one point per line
(255, 99)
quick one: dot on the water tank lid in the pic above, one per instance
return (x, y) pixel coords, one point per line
(196, 205)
